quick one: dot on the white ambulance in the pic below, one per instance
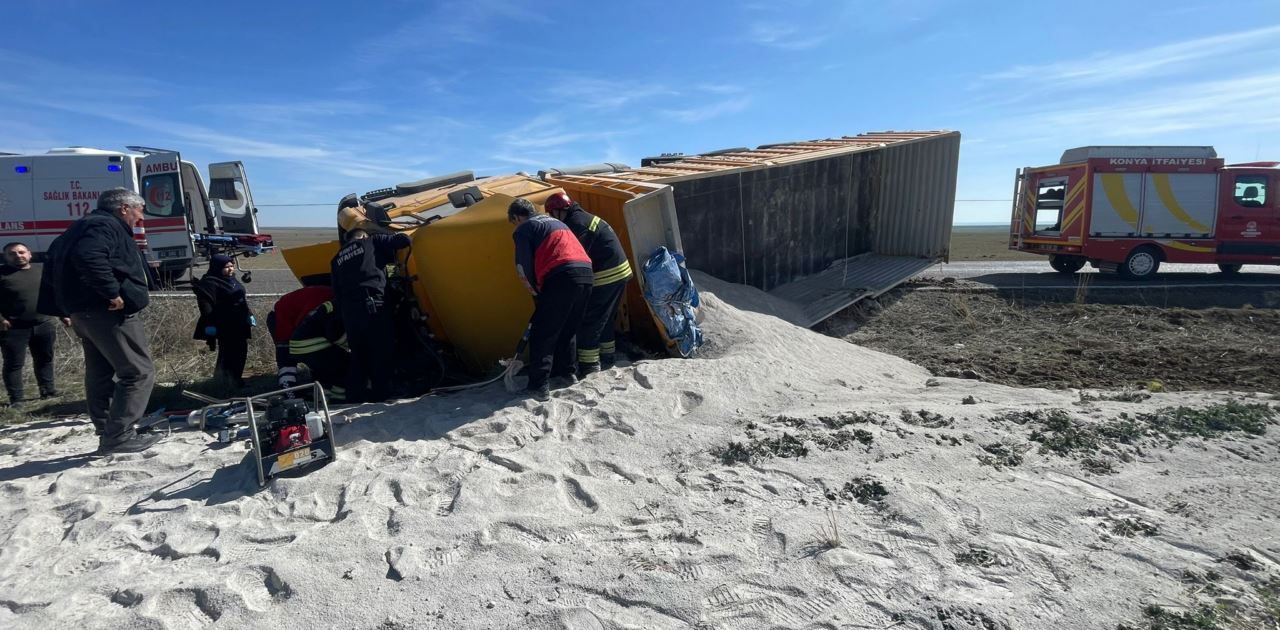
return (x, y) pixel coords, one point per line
(43, 194)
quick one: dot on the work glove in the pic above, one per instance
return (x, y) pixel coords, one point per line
(253, 321)
(211, 331)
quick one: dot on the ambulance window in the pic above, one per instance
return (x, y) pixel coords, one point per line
(228, 196)
(163, 196)
(1251, 191)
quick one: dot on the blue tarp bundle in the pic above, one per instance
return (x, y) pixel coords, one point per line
(670, 292)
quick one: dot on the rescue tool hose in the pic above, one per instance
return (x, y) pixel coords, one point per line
(508, 373)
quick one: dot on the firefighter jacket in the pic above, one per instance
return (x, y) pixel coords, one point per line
(608, 260)
(545, 246)
(292, 308)
(359, 269)
(320, 330)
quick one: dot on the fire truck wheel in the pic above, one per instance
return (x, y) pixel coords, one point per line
(1228, 269)
(1066, 264)
(1141, 264)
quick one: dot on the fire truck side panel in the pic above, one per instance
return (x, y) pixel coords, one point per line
(1179, 205)
(66, 187)
(1117, 201)
(1250, 217)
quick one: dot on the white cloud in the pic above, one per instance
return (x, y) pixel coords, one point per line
(707, 112)
(603, 93)
(1112, 67)
(1251, 102)
(784, 36)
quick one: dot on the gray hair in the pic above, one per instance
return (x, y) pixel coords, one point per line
(117, 199)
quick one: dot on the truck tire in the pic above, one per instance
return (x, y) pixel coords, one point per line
(1067, 264)
(1229, 269)
(1141, 264)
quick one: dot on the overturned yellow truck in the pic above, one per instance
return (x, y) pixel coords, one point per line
(461, 265)
(820, 224)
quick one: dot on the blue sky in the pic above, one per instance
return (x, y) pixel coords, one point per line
(320, 99)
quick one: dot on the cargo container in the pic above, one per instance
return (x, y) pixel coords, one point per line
(1127, 209)
(822, 223)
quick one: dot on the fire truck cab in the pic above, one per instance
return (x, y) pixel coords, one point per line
(1129, 208)
(43, 194)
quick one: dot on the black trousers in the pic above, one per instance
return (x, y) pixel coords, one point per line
(371, 337)
(232, 353)
(598, 320)
(557, 314)
(14, 344)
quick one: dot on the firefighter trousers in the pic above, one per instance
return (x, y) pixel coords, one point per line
(557, 314)
(598, 321)
(371, 337)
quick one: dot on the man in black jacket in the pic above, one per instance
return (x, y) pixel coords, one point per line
(610, 273)
(22, 328)
(359, 272)
(96, 275)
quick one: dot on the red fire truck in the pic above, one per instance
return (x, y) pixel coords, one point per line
(1129, 208)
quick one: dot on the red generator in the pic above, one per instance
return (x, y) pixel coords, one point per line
(1129, 208)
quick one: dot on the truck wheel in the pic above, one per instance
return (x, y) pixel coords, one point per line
(1141, 264)
(1066, 264)
(1228, 269)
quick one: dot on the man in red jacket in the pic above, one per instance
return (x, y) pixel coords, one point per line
(557, 271)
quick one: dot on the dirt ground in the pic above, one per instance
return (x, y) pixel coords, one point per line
(1037, 344)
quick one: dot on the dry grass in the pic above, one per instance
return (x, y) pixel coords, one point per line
(180, 361)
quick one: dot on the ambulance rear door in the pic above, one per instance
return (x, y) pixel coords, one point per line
(167, 232)
(231, 199)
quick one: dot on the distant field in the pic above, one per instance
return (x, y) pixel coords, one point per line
(984, 242)
(286, 237)
(968, 242)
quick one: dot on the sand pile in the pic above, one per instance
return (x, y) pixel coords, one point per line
(782, 480)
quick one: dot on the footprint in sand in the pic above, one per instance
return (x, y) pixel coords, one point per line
(687, 402)
(447, 501)
(577, 497)
(260, 587)
(180, 609)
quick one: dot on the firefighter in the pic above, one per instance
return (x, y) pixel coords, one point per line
(610, 273)
(319, 342)
(557, 271)
(284, 317)
(225, 321)
(359, 272)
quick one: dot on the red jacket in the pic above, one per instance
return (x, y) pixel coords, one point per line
(544, 245)
(293, 307)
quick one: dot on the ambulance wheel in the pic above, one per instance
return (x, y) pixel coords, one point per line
(1229, 270)
(169, 277)
(1066, 264)
(1141, 264)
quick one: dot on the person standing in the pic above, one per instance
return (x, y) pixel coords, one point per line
(22, 328)
(557, 272)
(610, 272)
(97, 276)
(225, 320)
(359, 273)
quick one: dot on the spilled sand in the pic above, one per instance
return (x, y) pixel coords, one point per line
(613, 506)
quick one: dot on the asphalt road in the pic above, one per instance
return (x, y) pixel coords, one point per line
(1000, 274)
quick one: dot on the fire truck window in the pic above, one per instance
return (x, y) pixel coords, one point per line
(1049, 197)
(1251, 190)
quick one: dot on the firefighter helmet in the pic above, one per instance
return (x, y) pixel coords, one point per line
(558, 201)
